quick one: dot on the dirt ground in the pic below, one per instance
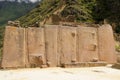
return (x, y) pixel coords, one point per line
(94, 73)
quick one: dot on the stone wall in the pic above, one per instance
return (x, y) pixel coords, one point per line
(51, 37)
(14, 50)
(56, 45)
(106, 44)
(35, 46)
(87, 44)
(68, 38)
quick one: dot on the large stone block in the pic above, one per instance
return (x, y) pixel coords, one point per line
(67, 44)
(35, 46)
(51, 38)
(56, 45)
(14, 51)
(87, 44)
(106, 44)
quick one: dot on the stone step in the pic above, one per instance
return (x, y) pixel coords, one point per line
(84, 64)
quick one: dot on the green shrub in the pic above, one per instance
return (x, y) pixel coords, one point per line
(117, 47)
(0, 54)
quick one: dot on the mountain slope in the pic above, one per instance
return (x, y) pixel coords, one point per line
(81, 9)
(96, 11)
(13, 10)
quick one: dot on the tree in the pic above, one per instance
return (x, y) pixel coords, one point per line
(109, 10)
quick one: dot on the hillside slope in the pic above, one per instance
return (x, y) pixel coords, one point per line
(81, 9)
(13, 10)
(95, 11)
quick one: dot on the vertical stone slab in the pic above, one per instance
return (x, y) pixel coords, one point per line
(51, 37)
(13, 50)
(68, 44)
(36, 46)
(106, 44)
(87, 44)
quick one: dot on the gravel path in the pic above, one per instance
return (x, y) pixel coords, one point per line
(95, 73)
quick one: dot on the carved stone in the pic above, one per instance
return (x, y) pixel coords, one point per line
(58, 45)
(106, 44)
(14, 50)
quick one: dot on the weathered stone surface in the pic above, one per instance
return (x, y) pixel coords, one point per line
(106, 44)
(36, 46)
(51, 37)
(87, 44)
(56, 45)
(68, 44)
(84, 64)
(13, 51)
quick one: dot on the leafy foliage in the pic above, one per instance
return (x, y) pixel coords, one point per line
(109, 10)
(1, 39)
